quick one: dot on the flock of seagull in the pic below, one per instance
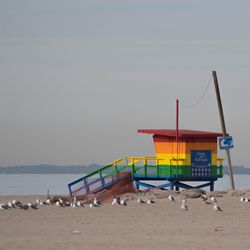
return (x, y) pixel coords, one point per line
(116, 201)
(96, 203)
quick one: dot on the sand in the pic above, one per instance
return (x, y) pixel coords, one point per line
(163, 225)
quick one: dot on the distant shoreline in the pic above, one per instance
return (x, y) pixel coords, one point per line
(49, 169)
(81, 169)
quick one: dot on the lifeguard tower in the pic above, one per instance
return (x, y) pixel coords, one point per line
(186, 156)
(191, 157)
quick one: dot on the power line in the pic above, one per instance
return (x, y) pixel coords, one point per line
(200, 99)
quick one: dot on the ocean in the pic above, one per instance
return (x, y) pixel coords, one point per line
(39, 184)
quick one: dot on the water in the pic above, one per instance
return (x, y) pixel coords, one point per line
(35, 184)
(38, 184)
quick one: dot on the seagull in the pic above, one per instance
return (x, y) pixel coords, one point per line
(183, 205)
(16, 203)
(24, 206)
(123, 202)
(62, 203)
(33, 206)
(72, 204)
(96, 202)
(217, 208)
(92, 205)
(213, 199)
(171, 197)
(4, 206)
(139, 200)
(79, 204)
(38, 201)
(67, 204)
(10, 205)
(116, 201)
(48, 201)
(242, 199)
(246, 200)
(150, 201)
(59, 204)
(41, 203)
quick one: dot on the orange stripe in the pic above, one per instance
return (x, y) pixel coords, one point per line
(170, 147)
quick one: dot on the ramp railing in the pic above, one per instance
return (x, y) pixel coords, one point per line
(99, 179)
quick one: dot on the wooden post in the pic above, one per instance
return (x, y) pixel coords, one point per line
(223, 126)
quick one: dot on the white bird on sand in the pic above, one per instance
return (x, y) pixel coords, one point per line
(123, 202)
(171, 197)
(183, 205)
(48, 201)
(4, 206)
(10, 205)
(31, 205)
(213, 199)
(150, 201)
(79, 204)
(96, 202)
(242, 199)
(41, 203)
(92, 205)
(59, 203)
(116, 201)
(246, 200)
(217, 208)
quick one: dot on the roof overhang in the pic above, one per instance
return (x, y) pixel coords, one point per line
(181, 133)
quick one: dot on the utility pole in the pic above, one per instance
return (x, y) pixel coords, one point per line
(223, 126)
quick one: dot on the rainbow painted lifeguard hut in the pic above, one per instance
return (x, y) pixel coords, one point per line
(181, 156)
(190, 156)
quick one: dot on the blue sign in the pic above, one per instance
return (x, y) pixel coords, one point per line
(226, 142)
(201, 163)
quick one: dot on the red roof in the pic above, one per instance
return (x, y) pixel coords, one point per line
(181, 132)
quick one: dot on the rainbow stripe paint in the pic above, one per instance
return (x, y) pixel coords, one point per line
(194, 153)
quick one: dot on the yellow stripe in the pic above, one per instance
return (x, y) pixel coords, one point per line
(182, 159)
(183, 148)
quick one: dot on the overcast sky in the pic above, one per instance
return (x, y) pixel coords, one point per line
(78, 78)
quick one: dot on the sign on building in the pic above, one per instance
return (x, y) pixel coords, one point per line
(201, 163)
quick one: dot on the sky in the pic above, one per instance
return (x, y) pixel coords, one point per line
(78, 78)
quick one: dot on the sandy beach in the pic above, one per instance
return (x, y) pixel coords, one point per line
(163, 225)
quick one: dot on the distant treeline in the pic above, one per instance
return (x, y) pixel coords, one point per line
(49, 169)
(79, 169)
